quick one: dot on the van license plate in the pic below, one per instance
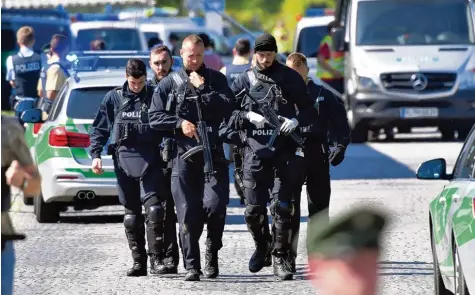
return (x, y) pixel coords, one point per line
(409, 113)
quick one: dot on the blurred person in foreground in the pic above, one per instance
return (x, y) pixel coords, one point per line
(18, 170)
(55, 73)
(211, 58)
(343, 254)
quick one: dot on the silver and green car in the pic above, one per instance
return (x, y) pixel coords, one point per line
(452, 222)
(60, 145)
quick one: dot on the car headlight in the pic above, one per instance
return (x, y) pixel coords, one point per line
(365, 83)
(467, 79)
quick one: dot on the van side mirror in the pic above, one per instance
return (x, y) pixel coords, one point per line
(433, 169)
(339, 43)
(32, 116)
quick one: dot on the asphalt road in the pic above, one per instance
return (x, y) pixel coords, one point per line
(86, 253)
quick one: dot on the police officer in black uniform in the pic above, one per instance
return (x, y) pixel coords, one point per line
(174, 109)
(265, 169)
(23, 68)
(134, 146)
(318, 157)
(161, 62)
(241, 63)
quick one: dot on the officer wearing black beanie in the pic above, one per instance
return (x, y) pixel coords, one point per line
(275, 167)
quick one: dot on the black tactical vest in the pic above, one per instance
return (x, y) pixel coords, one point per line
(233, 71)
(131, 123)
(27, 72)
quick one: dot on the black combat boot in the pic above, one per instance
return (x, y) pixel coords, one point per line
(258, 258)
(193, 275)
(139, 269)
(156, 265)
(135, 233)
(282, 268)
(211, 267)
(291, 259)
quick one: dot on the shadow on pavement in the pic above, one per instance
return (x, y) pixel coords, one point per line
(92, 219)
(364, 162)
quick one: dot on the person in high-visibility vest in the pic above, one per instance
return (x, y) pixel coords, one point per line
(281, 36)
(331, 64)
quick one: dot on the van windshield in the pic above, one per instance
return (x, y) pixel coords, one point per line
(418, 22)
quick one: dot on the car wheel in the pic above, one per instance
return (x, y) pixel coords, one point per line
(460, 284)
(28, 200)
(45, 212)
(439, 286)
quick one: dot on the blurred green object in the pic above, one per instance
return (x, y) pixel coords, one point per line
(346, 234)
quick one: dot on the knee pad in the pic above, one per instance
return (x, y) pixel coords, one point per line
(255, 214)
(155, 213)
(132, 221)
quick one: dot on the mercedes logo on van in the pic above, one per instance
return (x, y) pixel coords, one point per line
(419, 81)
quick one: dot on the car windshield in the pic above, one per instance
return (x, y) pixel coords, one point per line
(396, 22)
(309, 40)
(84, 103)
(114, 38)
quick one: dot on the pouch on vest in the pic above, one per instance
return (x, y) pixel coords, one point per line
(262, 151)
(135, 161)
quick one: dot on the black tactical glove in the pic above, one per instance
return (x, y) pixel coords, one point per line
(337, 155)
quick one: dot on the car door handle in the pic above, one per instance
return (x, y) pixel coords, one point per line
(456, 197)
(442, 200)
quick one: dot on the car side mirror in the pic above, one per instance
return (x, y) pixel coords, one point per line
(25, 104)
(433, 169)
(339, 43)
(32, 116)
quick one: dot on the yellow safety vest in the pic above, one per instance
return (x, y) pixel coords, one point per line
(336, 61)
(279, 33)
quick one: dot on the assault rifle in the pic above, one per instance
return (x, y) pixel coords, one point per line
(203, 141)
(273, 119)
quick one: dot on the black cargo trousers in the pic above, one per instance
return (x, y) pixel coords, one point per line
(198, 201)
(277, 176)
(316, 173)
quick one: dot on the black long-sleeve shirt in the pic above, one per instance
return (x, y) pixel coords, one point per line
(331, 116)
(217, 102)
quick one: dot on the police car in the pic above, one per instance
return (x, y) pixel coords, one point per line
(452, 222)
(60, 145)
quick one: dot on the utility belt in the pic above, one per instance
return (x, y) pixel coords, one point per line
(135, 159)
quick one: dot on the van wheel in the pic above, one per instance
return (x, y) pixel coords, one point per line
(448, 134)
(460, 284)
(463, 133)
(438, 282)
(359, 135)
(45, 212)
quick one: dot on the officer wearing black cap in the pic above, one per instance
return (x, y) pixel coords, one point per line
(134, 146)
(198, 196)
(161, 61)
(344, 253)
(318, 157)
(269, 167)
